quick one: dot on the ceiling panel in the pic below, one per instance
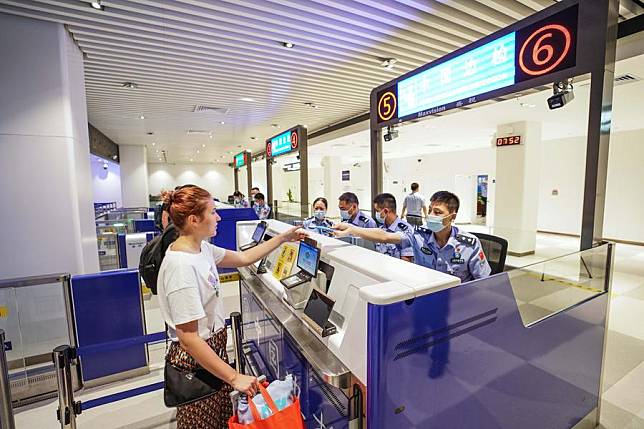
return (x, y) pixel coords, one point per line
(183, 53)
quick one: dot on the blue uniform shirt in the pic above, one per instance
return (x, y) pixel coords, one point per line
(397, 250)
(363, 221)
(262, 211)
(312, 223)
(461, 256)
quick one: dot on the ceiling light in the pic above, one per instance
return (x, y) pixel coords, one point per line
(274, 125)
(221, 122)
(154, 144)
(191, 159)
(527, 105)
(198, 151)
(141, 117)
(311, 105)
(388, 63)
(210, 136)
(288, 45)
(246, 99)
(114, 157)
(203, 145)
(98, 5)
(222, 156)
(130, 85)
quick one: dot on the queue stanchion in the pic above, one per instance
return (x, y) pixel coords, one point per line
(67, 408)
(235, 324)
(6, 419)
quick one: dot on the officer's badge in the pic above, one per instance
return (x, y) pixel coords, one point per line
(426, 250)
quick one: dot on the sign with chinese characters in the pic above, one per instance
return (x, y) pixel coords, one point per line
(346, 175)
(285, 142)
(241, 159)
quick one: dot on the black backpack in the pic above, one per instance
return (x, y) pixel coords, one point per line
(152, 255)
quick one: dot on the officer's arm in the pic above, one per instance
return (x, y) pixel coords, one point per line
(372, 234)
(478, 264)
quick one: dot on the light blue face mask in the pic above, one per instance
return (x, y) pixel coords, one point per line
(379, 218)
(435, 223)
(344, 214)
(319, 214)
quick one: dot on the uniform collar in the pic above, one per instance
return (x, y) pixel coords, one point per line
(392, 226)
(451, 241)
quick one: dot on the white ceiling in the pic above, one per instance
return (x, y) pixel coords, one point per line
(447, 133)
(183, 53)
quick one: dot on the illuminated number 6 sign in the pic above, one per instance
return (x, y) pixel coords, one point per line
(551, 59)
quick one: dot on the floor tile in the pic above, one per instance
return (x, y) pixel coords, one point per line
(628, 392)
(623, 283)
(614, 417)
(623, 354)
(626, 316)
(636, 293)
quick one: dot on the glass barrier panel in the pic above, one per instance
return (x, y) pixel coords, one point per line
(546, 288)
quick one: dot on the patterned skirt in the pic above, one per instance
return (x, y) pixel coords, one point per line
(214, 411)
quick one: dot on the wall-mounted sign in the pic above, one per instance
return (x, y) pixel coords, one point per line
(508, 141)
(346, 175)
(241, 159)
(285, 142)
(477, 72)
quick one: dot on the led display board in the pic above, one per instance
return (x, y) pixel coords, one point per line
(240, 159)
(544, 47)
(285, 142)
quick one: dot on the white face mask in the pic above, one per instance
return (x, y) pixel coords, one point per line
(319, 214)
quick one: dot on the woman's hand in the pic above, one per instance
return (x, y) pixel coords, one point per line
(245, 384)
(342, 229)
(296, 233)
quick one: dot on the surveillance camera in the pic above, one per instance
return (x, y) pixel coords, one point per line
(391, 135)
(298, 156)
(105, 166)
(419, 160)
(560, 99)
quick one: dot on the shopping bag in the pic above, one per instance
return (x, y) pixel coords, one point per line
(287, 418)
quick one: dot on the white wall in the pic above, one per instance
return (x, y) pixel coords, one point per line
(259, 175)
(134, 176)
(106, 183)
(44, 152)
(215, 178)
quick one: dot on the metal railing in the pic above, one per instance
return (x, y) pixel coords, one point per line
(6, 418)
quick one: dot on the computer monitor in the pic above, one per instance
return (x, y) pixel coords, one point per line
(308, 258)
(258, 234)
(318, 308)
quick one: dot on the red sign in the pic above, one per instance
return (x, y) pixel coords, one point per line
(294, 141)
(268, 149)
(508, 141)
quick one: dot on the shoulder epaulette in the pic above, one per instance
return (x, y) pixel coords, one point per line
(471, 241)
(363, 218)
(402, 226)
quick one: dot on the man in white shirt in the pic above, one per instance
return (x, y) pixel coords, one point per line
(414, 206)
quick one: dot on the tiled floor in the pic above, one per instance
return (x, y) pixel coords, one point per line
(623, 379)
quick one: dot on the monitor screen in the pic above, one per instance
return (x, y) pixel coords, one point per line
(318, 308)
(259, 232)
(308, 257)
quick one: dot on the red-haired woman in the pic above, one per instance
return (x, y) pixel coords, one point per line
(189, 289)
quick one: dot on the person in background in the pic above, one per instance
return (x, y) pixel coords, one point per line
(440, 245)
(350, 213)
(190, 302)
(253, 191)
(320, 205)
(414, 207)
(262, 209)
(240, 200)
(388, 220)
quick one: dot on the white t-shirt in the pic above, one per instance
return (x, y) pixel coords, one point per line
(188, 286)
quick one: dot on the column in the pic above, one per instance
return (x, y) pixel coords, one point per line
(332, 183)
(516, 187)
(44, 152)
(134, 176)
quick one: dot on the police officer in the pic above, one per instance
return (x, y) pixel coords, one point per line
(385, 208)
(320, 205)
(262, 209)
(414, 206)
(350, 213)
(439, 245)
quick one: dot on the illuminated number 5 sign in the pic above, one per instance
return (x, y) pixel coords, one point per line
(387, 104)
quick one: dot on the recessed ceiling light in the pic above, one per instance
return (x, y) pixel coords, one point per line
(191, 159)
(98, 5)
(154, 144)
(311, 105)
(288, 45)
(130, 85)
(210, 136)
(221, 122)
(141, 117)
(274, 125)
(246, 99)
(198, 151)
(203, 145)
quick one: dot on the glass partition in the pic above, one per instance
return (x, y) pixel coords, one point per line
(34, 316)
(549, 287)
